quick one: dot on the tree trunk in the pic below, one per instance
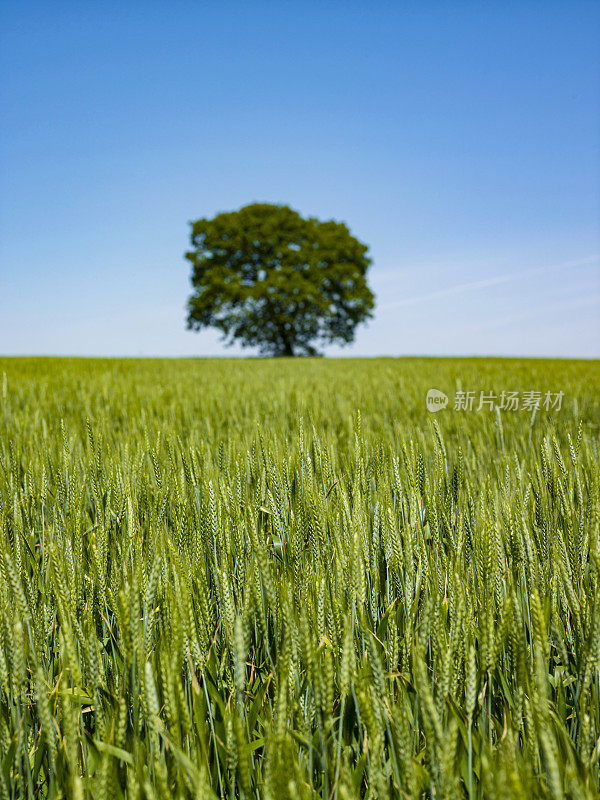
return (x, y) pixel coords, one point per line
(288, 348)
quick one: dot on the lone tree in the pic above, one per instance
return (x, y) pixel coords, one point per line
(268, 278)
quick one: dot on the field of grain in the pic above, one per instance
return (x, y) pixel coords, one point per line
(288, 579)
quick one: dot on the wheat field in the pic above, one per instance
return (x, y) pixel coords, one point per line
(288, 579)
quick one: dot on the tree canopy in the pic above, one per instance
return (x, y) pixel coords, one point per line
(269, 278)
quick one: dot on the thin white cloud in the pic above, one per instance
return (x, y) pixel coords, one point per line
(592, 300)
(486, 282)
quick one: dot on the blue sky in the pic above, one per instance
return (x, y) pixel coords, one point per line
(460, 140)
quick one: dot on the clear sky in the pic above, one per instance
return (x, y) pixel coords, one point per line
(460, 140)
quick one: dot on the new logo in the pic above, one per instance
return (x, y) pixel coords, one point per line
(436, 400)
